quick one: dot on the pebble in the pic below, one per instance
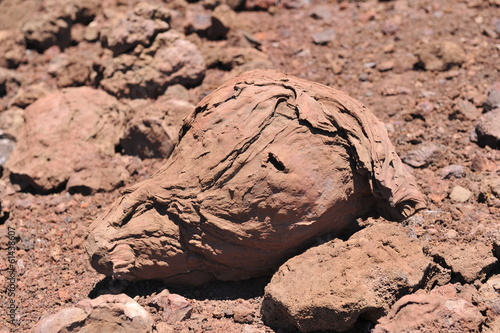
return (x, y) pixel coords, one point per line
(323, 37)
(460, 194)
(487, 130)
(453, 170)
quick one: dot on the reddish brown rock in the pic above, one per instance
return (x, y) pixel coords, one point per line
(431, 312)
(235, 199)
(175, 307)
(47, 29)
(64, 130)
(332, 285)
(170, 60)
(487, 131)
(12, 48)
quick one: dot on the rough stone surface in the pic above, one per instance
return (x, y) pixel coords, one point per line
(488, 299)
(235, 199)
(45, 30)
(469, 263)
(175, 307)
(28, 94)
(325, 289)
(12, 48)
(124, 31)
(490, 190)
(106, 313)
(487, 131)
(9, 81)
(440, 55)
(431, 312)
(493, 100)
(154, 130)
(62, 132)
(170, 60)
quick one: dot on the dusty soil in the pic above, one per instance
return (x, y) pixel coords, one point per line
(368, 49)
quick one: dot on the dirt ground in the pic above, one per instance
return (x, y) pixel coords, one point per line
(369, 49)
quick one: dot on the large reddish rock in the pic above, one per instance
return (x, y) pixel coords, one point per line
(332, 285)
(265, 164)
(65, 133)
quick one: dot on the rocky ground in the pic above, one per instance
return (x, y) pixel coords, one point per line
(92, 97)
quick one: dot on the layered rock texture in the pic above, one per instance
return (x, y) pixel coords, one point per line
(265, 165)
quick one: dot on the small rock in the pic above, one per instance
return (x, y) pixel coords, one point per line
(465, 110)
(323, 37)
(162, 327)
(440, 55)
(175, 307)
(322, 12)
(12, 48)
(243, 314)
(487, 130)
(470, 262)
(27, 95)
(10, 81)
(7, 144)
(45, 30)
(490, 190)
(460, 194)
(453, 170)
(488, 297)
(385, 66)
(423, 155)
(431, 312)
(493, 100)
(106, 313)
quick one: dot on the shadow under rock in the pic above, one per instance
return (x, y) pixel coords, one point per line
(217, 290)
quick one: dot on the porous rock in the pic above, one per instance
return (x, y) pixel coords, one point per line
(10, 81)
(106, 313)
(469, 262)
(47, 29)
(440, 55)
(12, 48)
(154, 130)
(437, 311)
(171, 59)
(235, 199)
(332, 285)
(63, 131)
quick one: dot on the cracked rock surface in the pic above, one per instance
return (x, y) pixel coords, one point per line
(235, 199)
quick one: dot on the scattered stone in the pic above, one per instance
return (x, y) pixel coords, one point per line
(63, 131)
(170, 60)
(162, 327)
(487, 131)
(460, 194)
(385, 66)
(106, 313)
(465, 110)
(175, 307)
(440, 55)
(223, 18)
(323, 37)
(243, 314)
(239, 59)
(45, 30)
(322, 12)
(493, 100)
(124, 31)
(154, 130)
(453, 170)
(10, 81)
(488, 299)
(422, 156)
(490, 190)
(242, 198)
(469, 262)
(325, 289)
(431, 312)
(12, 48)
